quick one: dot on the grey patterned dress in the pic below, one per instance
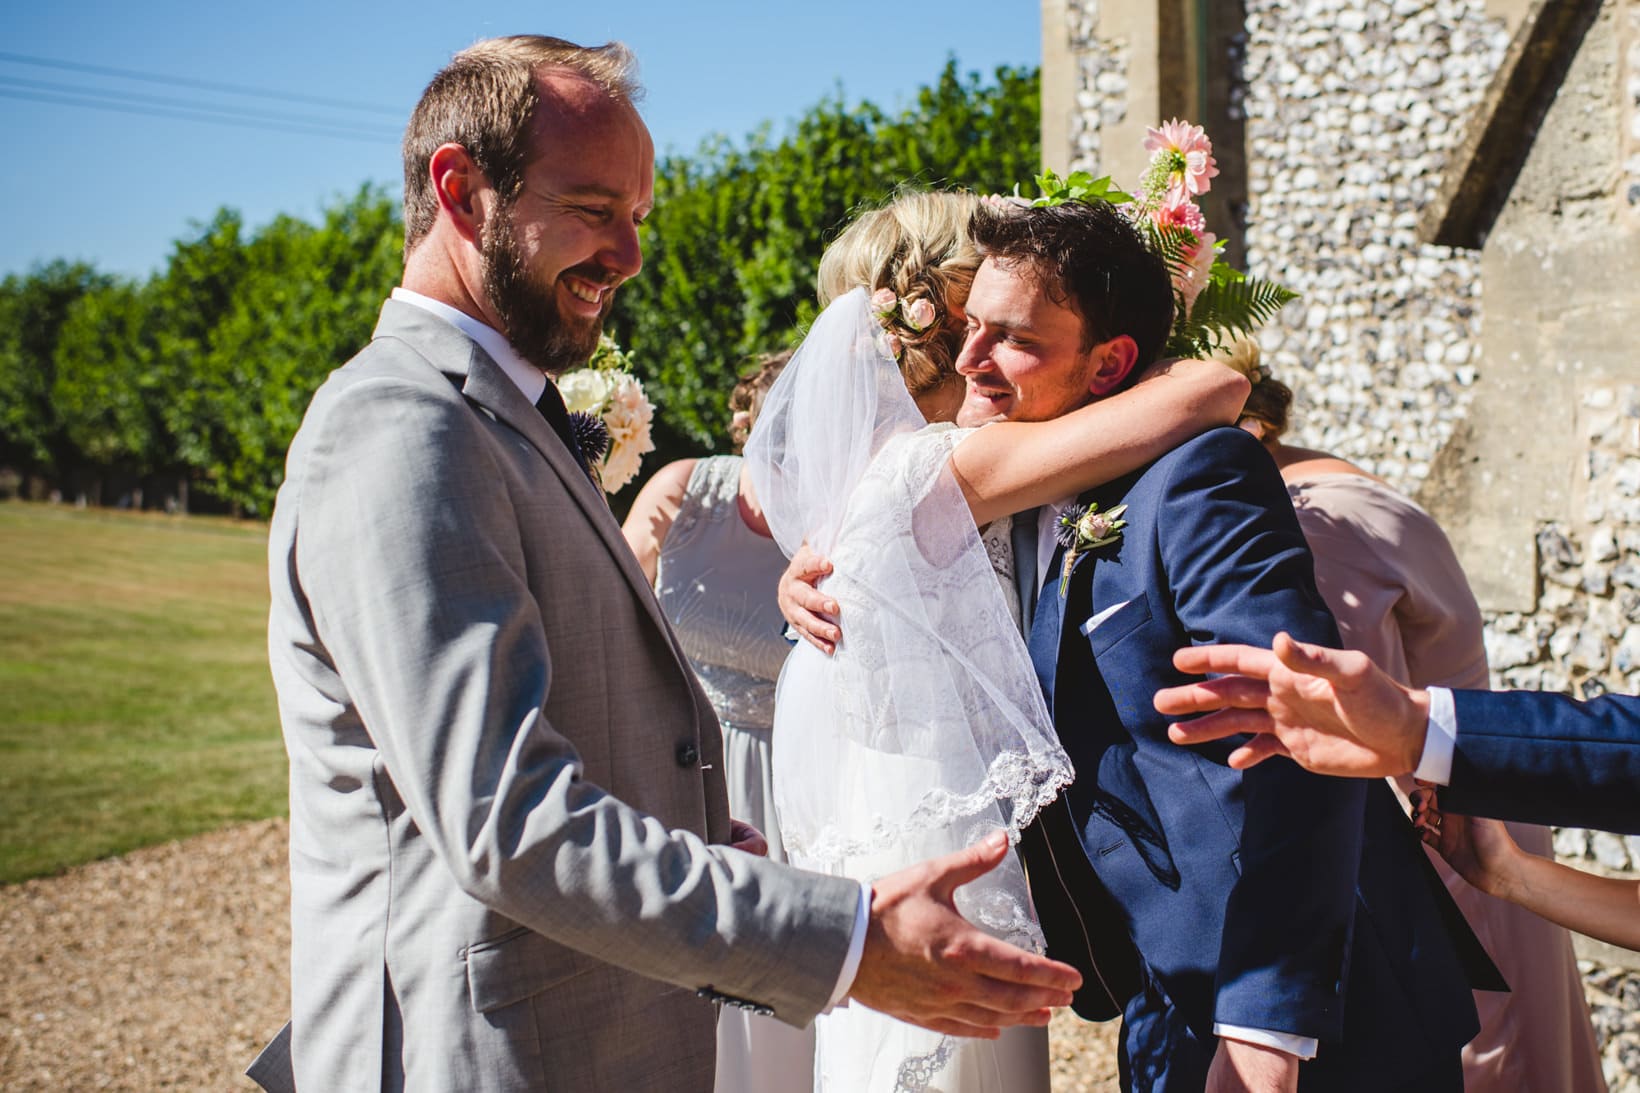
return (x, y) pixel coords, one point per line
(716, 581)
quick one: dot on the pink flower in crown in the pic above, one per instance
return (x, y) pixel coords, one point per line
(884, 303)
(1178, 211)
(918, 313)
(1193, 152)
(1191, 278)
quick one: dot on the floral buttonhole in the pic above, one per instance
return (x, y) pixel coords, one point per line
(1081, 528)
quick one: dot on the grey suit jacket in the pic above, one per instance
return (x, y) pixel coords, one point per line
(504, 781)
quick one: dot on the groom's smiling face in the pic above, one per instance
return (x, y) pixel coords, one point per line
(1023, 358)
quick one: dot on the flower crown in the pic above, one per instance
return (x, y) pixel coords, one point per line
(915, 312)
(1214, 303)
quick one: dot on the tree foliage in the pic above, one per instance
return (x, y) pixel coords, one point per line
(202, 371)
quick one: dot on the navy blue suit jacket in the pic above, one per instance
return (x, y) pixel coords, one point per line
(1269, 899)
(1547, 759)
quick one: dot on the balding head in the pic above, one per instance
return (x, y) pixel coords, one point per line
(487, 101)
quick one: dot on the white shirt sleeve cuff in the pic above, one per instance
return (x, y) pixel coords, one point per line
(1440, 740)
(856, 949)
(1302, 1046)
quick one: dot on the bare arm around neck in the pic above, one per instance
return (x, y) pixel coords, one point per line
(1012, 466)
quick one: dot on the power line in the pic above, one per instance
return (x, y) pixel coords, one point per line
(195, 114)
(96, 96)
(203, 85)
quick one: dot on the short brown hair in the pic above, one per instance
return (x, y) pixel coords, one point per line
(485, 100)
(1088, 257)
(917, 246)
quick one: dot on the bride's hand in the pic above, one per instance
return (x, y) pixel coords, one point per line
(811, 613)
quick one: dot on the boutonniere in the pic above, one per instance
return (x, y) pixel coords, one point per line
(1081, 528)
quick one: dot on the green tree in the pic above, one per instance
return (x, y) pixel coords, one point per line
(33, 308)
(733, 245)
(306, 301)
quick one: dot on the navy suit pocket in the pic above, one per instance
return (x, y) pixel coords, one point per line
(1106, 627)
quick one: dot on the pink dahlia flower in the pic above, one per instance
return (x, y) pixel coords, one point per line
(1191, 150)
(1178, 211)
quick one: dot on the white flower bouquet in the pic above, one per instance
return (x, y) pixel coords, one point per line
(607, 391)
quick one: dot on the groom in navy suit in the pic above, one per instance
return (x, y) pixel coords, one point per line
(1241, 922)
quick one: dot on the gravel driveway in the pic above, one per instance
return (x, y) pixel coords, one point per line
(167, 969)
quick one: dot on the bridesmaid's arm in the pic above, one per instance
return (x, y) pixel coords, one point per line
(1011, 466)
(1606, 908)
(653, 511)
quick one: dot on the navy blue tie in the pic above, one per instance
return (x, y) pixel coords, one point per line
(552, 408)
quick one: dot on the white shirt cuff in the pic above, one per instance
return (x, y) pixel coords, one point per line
(856, 949)
(1302, 1046)
(1440, 740)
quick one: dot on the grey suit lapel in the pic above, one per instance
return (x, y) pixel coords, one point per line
(1023, 540)
(485, 384)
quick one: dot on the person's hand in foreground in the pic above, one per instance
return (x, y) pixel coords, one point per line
(925, 964)
(811, 613)
(1331, 711)
(743, 836)
(1484, 853)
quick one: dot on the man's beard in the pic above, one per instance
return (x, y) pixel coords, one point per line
(528, 308)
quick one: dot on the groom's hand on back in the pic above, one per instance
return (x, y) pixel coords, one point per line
(811, 613)
(925, 964)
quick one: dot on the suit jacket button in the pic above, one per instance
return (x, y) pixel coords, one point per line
(688, 754)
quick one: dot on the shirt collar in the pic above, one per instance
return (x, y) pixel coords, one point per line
(529, 379)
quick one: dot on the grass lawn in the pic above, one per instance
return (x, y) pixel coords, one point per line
(135, 701)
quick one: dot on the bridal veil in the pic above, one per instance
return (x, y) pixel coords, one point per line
(927, 729)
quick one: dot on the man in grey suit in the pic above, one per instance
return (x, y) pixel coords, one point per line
(507, 806)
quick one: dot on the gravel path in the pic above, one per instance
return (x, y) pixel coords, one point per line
(167, 969)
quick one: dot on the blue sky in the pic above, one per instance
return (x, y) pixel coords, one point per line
(116, 188)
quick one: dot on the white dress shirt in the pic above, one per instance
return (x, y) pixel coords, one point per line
(532, 382)
(1441, 739)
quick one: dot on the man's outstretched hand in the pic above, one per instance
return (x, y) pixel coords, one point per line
(1331, 711)
(925, 964)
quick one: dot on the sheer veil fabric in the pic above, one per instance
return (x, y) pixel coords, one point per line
(927, 729)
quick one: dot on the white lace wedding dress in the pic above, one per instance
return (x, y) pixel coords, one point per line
(927, 729)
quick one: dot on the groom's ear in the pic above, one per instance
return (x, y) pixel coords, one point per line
(1112, 361)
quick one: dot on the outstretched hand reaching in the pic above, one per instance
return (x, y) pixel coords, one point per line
(1331, 711)
(926, 964)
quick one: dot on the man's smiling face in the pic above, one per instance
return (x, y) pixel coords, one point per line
(554, 255)
(1023, 358)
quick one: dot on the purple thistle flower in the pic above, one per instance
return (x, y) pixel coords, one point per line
(1064, 529)
(591, 435)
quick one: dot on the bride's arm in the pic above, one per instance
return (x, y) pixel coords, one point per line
(1011, 466)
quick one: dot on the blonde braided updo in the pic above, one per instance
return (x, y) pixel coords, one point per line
(917, 247)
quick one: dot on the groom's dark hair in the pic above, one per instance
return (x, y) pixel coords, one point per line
(485, 100)
(1089, 258)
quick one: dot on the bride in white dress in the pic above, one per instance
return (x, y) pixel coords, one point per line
(927, 728)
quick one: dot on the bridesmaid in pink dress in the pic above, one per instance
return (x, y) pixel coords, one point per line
(1391, 578)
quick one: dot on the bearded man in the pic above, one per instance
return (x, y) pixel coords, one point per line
(506, 784)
